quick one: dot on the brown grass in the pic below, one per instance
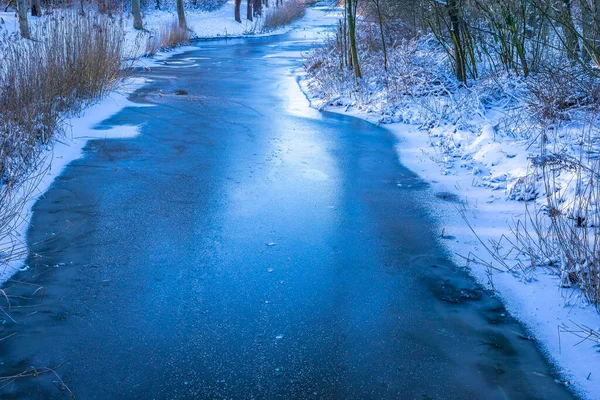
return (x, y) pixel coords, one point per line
(290, 11)
(169, 35)
(71, 61)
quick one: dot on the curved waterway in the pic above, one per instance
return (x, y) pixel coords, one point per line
(246, 246)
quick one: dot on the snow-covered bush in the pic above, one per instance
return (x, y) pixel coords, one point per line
(537, 138)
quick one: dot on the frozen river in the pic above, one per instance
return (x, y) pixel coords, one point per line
(246, 246)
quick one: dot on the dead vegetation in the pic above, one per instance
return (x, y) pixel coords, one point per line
(285, 14)
(168, 35)
(73, 60)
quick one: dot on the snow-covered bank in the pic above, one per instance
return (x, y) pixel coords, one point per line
(208, 24)
(202, 24)
(64, 150)
(537, 300)
(486, 214)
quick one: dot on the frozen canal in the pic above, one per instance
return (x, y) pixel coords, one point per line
(246, 246)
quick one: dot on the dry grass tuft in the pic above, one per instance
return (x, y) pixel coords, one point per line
(169, 35)
(288, 12)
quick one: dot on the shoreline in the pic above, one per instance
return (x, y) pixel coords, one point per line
(538, 304)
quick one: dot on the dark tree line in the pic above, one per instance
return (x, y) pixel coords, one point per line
(254, 8)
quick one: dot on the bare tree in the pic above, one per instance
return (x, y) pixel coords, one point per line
(351, 9)
(249, 10)
(36, 8)
(590, 15)
(455, 35)
(137, 14)
(258, 7)
(565, 19)
(237, 6)
(510, 23)
(378, 6)
(23, 22)
(181, 15)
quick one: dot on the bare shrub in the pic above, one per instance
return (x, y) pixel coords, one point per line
(561, 230)
(290, 11)
(552, 95)
(572, 187)
(410, 79)
(73, 60)
(169, 35)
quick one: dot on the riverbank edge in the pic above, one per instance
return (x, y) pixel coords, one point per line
(540, 304)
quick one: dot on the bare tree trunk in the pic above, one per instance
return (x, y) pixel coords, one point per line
(340, 43)
(258, 7)
(249, 10)
(587, 28)
(181, 15)
(137, 14)
(384, 48)
(237, 6)
(36, 8)
(347, 52)
(590, 12)
(23, 22)
(565, 19)
(267, 3)
(455, 35)
(157, 5)
(351, 8)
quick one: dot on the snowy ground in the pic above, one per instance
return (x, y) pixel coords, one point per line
(480, 172)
